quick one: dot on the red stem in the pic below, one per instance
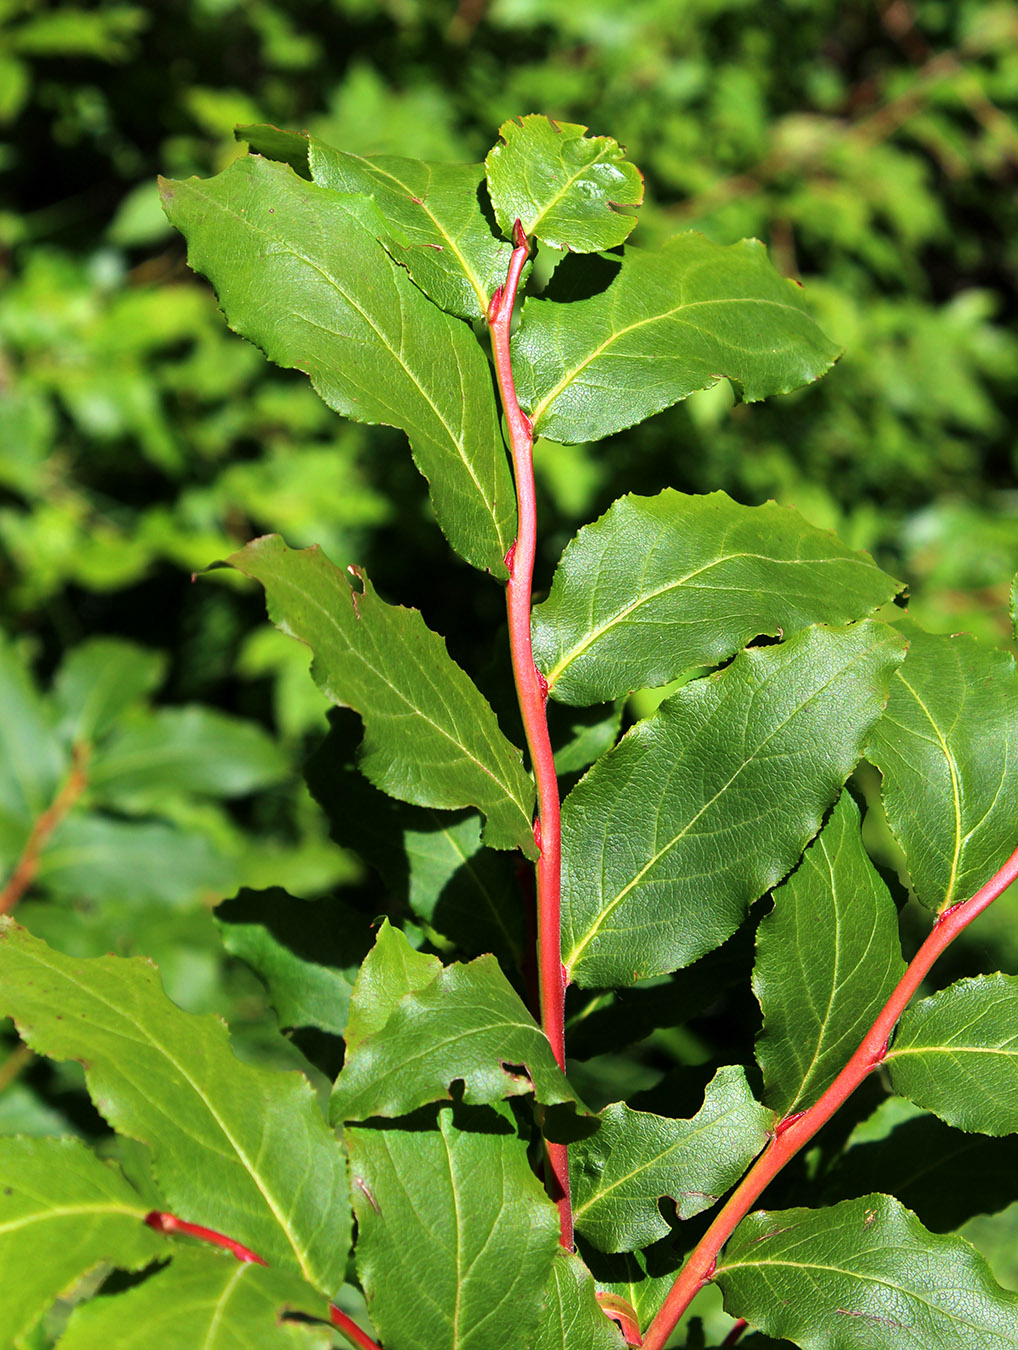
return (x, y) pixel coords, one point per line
(169, 1223)
(28, 864)
(532, 693)
(351, 1330)
(792, 1134)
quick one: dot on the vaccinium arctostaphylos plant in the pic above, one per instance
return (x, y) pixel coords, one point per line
(484, 1204)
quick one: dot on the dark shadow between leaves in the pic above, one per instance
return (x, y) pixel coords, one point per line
(942, 1174)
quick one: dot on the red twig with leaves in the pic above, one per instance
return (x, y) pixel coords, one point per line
(532, 693)
(793, 1133)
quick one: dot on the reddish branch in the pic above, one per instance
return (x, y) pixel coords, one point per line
(28, 864)
(532, 693)
(351, 1330)
(791, 1134)
(169, 1223)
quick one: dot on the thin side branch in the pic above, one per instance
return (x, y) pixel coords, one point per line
(28, 864)
(532, 693)
(791, 1135)
(351, 1330)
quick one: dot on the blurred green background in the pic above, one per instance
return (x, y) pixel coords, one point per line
(873, 145)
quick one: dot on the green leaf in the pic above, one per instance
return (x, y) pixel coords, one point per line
(468, 1024)
(562, 185)
(661, 585)
(299, 270)
(674, 320)
(956, 1054)
(307, 952)
(456, 1236)
(390, 971)
(183, 750)
(828, 958)
(710, 801)
(863, 1273)
(99, 681)
(439, 231)
(240, 1149)
(203, 1298)
(571, 1318)
(947, 748)
(636, 1159)
(430, 738)
(62, 1214)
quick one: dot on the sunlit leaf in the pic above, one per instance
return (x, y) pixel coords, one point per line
(661, 585)
(571, 1318)
(948, 750)
(207, 1299)
(299, 270)
(636, 1159)
(562, 185)
(438, 229)
(956, 1054)
(828, 957)
(709, 802)
(466, 1025)
(62, 1214)
(456, 1236)
(674, 320)
(863, 1273)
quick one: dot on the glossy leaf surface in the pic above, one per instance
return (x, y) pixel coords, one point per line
(466, 1024)
(240, 1149)
(674, 320)
(430, 737)
(456, 1236)
(562, 185)
(636, 1159)
(864, 1273)
(705, 805)
(948, 750)
(206, 1300)
(299, 270)
(828, 957)
(62, 1213)
(956, 1054)
(661, 585)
